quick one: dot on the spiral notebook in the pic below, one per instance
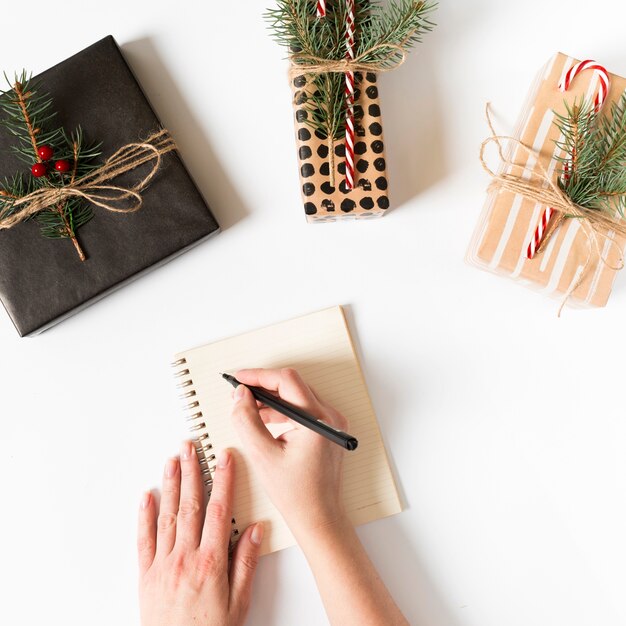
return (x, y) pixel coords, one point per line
(320, 348)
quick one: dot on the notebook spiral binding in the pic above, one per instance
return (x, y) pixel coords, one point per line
(202, 441)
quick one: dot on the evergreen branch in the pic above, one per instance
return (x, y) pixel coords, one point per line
(295, 26)
(614, 134)
(21, 98)
(382, 35)
(326, 106)
(401, 25)
(594, 165)
(29, 116)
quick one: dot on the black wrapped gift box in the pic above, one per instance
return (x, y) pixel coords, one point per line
(43, 281)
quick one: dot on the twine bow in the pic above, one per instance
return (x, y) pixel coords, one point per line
(94, 187)
(537, 185)
(311, 64)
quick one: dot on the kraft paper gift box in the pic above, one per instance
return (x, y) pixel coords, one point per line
(323, 201)
(43, 281)
(509, 220)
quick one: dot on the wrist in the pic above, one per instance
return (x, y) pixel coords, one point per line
(331, 532)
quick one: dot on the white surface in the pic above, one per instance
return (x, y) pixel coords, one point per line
(506, 425)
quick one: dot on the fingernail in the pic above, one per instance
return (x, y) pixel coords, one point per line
(145, 500)
(239, 391)
(170, 468)
(223, 459)
(256, 536)
(187, 450)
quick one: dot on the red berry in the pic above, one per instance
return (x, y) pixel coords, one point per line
(39, 169)
(45, 152)
(62, 165)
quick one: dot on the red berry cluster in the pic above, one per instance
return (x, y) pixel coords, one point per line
(45, 154)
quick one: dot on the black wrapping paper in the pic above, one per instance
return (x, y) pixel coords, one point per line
(43, 281)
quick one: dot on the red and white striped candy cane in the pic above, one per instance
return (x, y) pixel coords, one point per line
(603, 76)
(350, 96)
(604, 82)
(321, 8)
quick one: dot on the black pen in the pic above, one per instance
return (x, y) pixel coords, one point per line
(298, 415)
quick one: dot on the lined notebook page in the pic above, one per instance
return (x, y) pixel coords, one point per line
(319, 347)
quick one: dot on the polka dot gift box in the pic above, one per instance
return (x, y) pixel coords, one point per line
(336, 50)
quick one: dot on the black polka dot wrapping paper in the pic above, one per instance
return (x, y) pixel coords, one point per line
(326, 197)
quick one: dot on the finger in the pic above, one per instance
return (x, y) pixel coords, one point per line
(170, 496)
(330, 416)
(219, 512)
(330, 413)
(270, 416)
(320, 400)
(286, 382)
(191, 509)
(251, 429)
(146, 532)
(333, 417)
(289, 385)
(242, 569)
(259, 404)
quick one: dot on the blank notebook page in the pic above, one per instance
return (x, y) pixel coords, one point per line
(319, 347)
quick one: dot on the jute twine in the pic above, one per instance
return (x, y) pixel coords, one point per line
(94, 187)
(311, 64)
(537, 185)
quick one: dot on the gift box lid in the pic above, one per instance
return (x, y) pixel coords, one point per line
(43, 281)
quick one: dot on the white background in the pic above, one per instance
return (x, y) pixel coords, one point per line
(506, 426)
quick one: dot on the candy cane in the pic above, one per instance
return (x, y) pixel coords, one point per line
(603, 75)
(321, 8)
(564, 85)
(350, 96)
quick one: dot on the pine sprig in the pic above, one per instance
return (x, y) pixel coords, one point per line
(28, 115)
(594, 166)
(383, 36)
(401, 24)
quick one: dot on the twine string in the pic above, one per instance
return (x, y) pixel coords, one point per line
(311, 64)
(95, 186)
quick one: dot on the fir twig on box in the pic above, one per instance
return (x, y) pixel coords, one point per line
(28, 115)
(594, 165)
(383, 36)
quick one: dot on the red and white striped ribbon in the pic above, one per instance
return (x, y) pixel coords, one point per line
(321, 8)
(604, 83)
(350, 47)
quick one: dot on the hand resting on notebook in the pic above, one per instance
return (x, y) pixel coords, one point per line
(184, 576)
(183, 563)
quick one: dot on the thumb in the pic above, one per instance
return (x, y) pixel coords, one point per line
(242, 569)
(249, 425)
